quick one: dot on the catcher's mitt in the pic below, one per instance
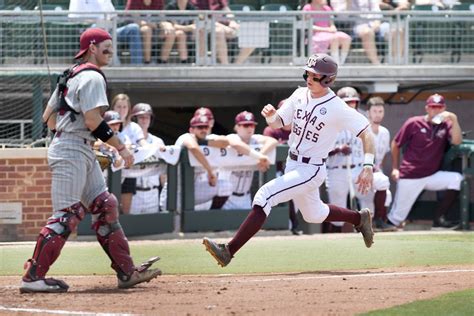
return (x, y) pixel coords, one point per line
(104, 160)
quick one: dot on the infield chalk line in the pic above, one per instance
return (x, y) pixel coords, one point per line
(60, 312)
(360, 275)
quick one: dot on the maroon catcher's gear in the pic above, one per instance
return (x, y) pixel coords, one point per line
(49, 242)
(322, 64)
(110, 234)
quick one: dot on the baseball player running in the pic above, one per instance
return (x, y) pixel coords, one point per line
(78, 186)
(147, 198)
(317, 115)
(242, 179)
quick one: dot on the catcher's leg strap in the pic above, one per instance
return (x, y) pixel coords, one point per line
(49, 242)
(110, 234)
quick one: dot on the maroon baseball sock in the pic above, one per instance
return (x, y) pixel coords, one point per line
(249, 227)
(448, 200)
(341, 214)
(379, 202)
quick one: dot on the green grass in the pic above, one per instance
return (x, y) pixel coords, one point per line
(266, 255)
(453, 304)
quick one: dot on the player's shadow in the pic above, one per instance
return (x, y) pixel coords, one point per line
(112, 290)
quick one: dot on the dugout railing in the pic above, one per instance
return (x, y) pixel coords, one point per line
(180, 215)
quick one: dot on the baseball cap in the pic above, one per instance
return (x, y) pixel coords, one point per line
(203, 111)
(199, 120)
(436, 100)
(112, 117)
(245, 117)
(93, 35)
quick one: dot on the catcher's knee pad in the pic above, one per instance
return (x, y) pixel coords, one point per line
(106, 205)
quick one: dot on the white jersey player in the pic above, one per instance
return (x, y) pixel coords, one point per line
(242, 179)
(146, 200)
(317, 115)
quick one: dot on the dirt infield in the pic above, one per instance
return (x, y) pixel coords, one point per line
(322, 293)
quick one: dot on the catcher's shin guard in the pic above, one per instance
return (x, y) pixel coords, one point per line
(49, 242)
(110, 234)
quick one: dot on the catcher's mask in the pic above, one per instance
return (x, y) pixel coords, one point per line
(321, 64)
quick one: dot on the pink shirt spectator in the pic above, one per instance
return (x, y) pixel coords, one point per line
(319, 19)
(425, 145)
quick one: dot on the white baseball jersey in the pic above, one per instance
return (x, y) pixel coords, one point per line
(147, 198)
(382, 145)
(316, 123)
(339, 160)
(241, 181)
(133, 132)
(203, 192)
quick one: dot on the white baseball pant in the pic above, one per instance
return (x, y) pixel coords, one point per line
(300, 183)
(408, 191)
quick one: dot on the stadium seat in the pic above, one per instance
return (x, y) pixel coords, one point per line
(253, 3)
(241, 7)
(281, 32)
(428, 36)
(21, 39)
(293, 4)
(462, 39)
(63, 38)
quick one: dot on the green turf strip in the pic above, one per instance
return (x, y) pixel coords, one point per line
(452, 304)
(265, 255)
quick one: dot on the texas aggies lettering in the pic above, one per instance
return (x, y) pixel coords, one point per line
(314, 109)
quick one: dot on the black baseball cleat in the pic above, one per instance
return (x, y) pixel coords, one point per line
(220, 252)
(381, 226)
(365, 227)
(443, 224)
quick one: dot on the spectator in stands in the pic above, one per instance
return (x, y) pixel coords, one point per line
(425, 139)
(325, 33)
(225, 29)
(185, 29)
(133, 133)
(242, 179)
(147, 197)
(147, 28)
(282, 135)
(127, 33)
(370, 28)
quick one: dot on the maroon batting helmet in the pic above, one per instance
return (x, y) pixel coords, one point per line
(322, 64)
(142, 108)
(112, 117)
(436, 100)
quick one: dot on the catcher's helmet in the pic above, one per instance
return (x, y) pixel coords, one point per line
(435, 100)
(112, 117)
(142, 108)
(348, 94)
(324, 65)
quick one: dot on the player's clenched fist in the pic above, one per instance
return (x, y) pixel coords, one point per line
(211, 177)
(127, 157)
(268, 111)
